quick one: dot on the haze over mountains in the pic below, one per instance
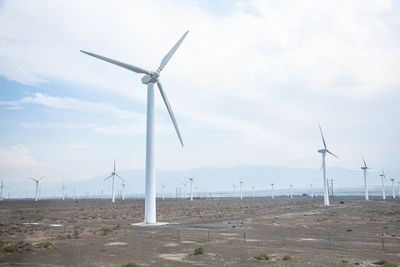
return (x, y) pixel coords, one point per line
(213, 179)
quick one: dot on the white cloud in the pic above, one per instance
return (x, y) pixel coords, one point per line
(17, 156)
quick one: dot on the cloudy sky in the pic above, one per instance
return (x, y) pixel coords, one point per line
(248, 86)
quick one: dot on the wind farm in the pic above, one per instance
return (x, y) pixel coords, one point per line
(253, 158)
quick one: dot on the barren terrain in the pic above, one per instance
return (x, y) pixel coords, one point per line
(231, 231)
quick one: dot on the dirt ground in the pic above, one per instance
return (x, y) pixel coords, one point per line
(231, 231)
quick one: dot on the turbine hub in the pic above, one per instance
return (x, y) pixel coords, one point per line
(322, 151)
(153, 77)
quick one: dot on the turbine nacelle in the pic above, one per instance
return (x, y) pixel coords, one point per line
(152, 77)
(322, 150)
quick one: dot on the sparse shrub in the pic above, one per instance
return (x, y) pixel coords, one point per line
(349, 230)
(199, 251)
(48, 244)
(262, 255)
(116, 227)
(233, 226)
(130, 264)
(287, 257)
(389, 264)
(77, 231)
(106, 231)
(22, 218)
(345, 261)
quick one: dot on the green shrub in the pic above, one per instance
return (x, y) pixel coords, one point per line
(389, 264)
(48, 245)
(116, 227)
(130, 264)
(199, 251)
(287, 257)
(106, 231)
(262, 255)
(77, 231)
(349, 230)
(345, 261)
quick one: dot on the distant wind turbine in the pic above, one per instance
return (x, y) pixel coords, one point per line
(37, 187)
(163, 196)
(383, 184)
(234, 189)
(393, 192)
(150, 78)
(365, 168)
(311, 191)
(323, 152)
(272, 191)
(123, 190)
(291, 191)
(253, 195)
(240, 187)
(191, 188)
(2, 186)
(63, 190)
(398, 187)
(184, 192)
(113, 174)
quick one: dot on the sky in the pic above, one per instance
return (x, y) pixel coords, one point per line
(248, 85)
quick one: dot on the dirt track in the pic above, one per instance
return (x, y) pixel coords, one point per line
(99, 233)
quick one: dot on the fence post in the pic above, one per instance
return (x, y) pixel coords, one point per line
(329, 241)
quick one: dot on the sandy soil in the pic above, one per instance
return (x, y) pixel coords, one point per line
(232, 232)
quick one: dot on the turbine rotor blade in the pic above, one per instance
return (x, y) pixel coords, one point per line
(33, 179)
(120, 177)
(322, 135)
(108, 177)
(365, 164)
(118, 63)
(171, 114)
(332, 153)
(165, 60)
(42, 178)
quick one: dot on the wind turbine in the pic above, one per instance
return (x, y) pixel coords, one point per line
(123, 190)
(191, 188)
(311, 191)
(383, 184)
(253, 192)
(63, 189)
(184, 192)
(291, 191)
(1, 190)
(272, 188)
(393, 192)
(323, 152)
(234, 189)
(37, 187)
(113, 174)
(150, 78)
(398, 187)
(163, 196)
(365, 168)
(240, 188)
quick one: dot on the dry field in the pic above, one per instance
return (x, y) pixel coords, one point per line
(232, 232)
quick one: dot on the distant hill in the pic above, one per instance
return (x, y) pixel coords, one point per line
(214, 179)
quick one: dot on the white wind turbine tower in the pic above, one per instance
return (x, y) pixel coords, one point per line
(323, 152)
(63, 190)
(253, 192)
(383, 184)
(398, 187)
(234, 190)
(184, 192)
(37, 187)
(291, 191)
(393, 192)
(240, 188)
(2, 186)
(312, 191)
(272, 189)
(113, 174)
(163, 196)
(123, 190)
(365, 168)
(191, 188)
(150, 78)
